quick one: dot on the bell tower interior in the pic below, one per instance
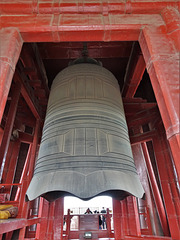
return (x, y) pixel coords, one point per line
(140, 47)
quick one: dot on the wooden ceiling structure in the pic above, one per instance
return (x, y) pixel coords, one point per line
(138, 41)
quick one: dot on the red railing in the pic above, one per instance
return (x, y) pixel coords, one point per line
(76, 224)
(6, 190)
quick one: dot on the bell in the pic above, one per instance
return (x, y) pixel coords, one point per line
(85, 149)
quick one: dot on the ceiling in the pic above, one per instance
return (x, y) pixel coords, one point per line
(113, 56)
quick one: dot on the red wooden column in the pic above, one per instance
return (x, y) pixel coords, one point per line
(52, 219)
(50, 230)
(168, 184)
(10, 165)
(108, 222)
(29, 171)
(117, 219)
(24, 206)
(124, 218)
(162, 62)
(43, 214)
(9, 125)
(10, 48)
(156, 192)
(133, 216)
(58, 219)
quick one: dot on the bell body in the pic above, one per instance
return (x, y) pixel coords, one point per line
(85, 149)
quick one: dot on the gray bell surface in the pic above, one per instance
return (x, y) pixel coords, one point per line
(85, 149)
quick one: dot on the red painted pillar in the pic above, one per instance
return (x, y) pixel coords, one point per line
(43, 213)
(168, 185)
(108, 222)
(24, 172)
(24, 206)
(156, 192)
(9, 125)
(162, 62)
(58, 219)
(171, 18)
(29, 173)
(117, 219)
(149, 201)
(10, 165)
(10, 48)
(50, 230)
(133, 216)
(124, 218)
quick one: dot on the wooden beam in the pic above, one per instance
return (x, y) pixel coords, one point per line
(134, 72)
(94, 7)
(142, 117)
(9, 225)
(40, 69)
(132, 108)
(25, 137)
(28, 94)
(143, 137)
(95, 49)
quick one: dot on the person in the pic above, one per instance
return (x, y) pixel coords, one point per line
(100, 221)
(103, 218)
(8, 211)
(88, 211)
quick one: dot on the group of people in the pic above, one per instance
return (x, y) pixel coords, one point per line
(102, 218)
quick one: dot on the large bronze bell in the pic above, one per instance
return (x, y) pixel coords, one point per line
(85, 149)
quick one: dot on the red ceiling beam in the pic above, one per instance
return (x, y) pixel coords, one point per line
(48, 7)
(73, 51)
(80, 27)
(133, 108)
(134, 72)
(34, 67)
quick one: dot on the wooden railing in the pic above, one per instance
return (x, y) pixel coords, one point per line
(75, 225)
(6, 193)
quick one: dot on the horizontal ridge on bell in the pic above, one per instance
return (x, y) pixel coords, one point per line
(85, 149)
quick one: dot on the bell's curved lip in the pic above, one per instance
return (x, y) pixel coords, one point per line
(114, 183)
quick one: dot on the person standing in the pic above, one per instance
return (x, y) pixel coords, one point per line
(103, 218)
